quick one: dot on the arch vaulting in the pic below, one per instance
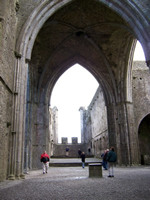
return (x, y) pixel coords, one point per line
(53, 35)
(91, 33)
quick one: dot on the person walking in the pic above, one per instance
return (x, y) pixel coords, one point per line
(83, 159)
(45, 160)
(111, 158)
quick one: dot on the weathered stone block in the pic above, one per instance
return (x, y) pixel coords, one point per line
(95, 170)
(64, 140)
(147, 159)
(74, 140)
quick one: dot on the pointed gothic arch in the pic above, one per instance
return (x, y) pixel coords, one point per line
(118, 110)
(144, 139)
(46, 9)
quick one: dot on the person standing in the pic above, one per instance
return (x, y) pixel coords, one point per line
(111, 158)
(45, 160)
(79, 153)
(89, 150)
(67, 151)
(83, 159)
(104, 157)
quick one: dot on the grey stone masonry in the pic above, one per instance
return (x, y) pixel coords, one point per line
(39, 41)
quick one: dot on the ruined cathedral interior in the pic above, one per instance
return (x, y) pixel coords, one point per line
(39, 41)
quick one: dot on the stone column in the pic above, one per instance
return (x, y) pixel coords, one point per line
(82, 114)
(51, 138)
(21, 116)
(55, 125)
(47, 128)
(12, 141)
(40, 135)
(28, 128)
(133, 135)
(111, 117)
(18, 120)
(122, 133)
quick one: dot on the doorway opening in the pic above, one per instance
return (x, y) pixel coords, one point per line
(75, 88)
(144, 140)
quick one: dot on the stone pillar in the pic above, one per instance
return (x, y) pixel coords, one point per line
(18, 120)
(40, 135)
(51, 139)
(12, 141)
(133, 135)
(122, 133)
(11, 170)
(21, 116)
(82, 118)
(111, 117)
(55, 124)
(28, 128)
(47, 129)
(53, 128)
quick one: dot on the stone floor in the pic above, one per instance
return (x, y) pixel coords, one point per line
(73, 183)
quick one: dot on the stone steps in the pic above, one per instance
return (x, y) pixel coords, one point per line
(71, 162)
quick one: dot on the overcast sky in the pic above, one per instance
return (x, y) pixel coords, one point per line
(76, 88)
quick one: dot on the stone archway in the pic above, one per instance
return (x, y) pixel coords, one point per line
(107, 60)
(103, 48)
(144, 139)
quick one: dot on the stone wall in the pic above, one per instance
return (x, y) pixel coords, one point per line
(95, 118)
(25, 10)
(5, 128)
(95, 124)
(7, 61)
(141, 91)
(141, 101)
(60, 150)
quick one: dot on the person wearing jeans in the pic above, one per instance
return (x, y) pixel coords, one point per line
(111, 158)
(83, 159)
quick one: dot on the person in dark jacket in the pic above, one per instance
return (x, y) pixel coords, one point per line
(104, 157)
(45, 160)
(79, 153)
(83, 159)
(111, 158)
(67, 151)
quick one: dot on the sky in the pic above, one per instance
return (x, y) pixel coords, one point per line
(76, 88)
(138, 54)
